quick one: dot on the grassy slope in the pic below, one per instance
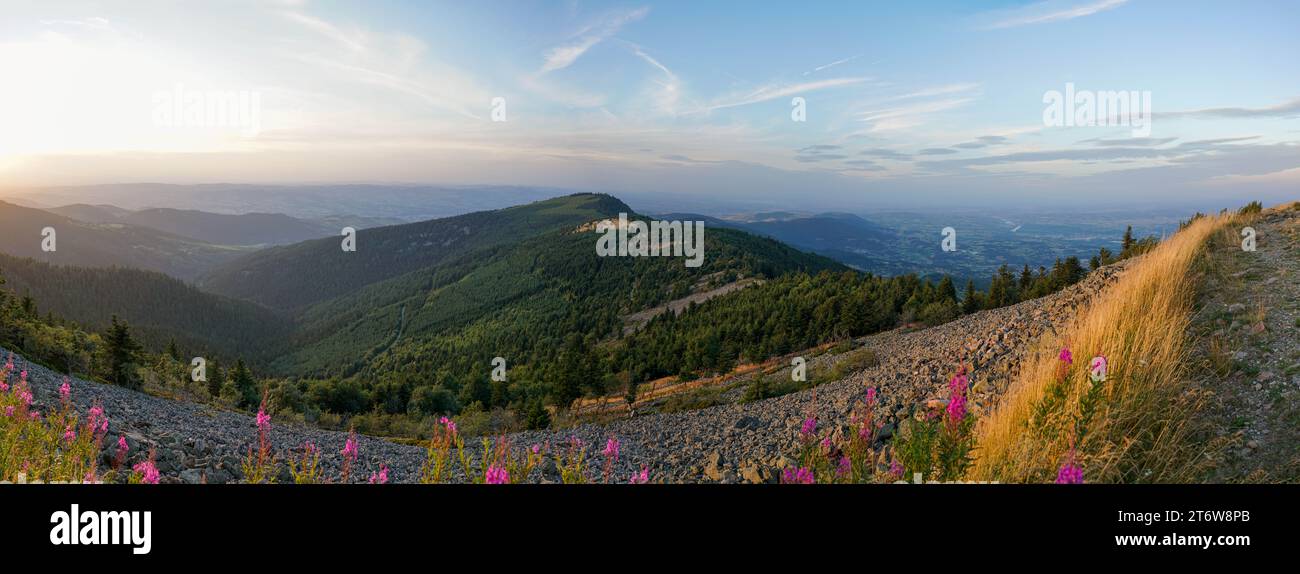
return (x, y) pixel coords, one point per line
(1139, 425)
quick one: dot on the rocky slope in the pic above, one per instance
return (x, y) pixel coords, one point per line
(739, 442)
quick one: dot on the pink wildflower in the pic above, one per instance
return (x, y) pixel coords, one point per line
(611, 449)
(895, 469)
(641, 477)
(65, 391)
(537, 448)
(450, 424)
(871, 396)
(957, 408)
(798, 476)
(9, 411)
(350, 449)
(845, 467)
(809, 426)
(263, 421)
(96, 411)
(381, 477)
(497, 475)
(1066, 357)
(1070, 472)
(148, 472)
(69, 435)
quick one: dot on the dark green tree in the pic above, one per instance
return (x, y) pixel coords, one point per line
(245, 384)
(122, 351)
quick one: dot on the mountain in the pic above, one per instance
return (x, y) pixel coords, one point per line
(404, 202)
(296, 276)
(250, 229)
(158, 308)
(91, 213)
(521, 300)
(90, 244)
(229, 229)
(840, 236)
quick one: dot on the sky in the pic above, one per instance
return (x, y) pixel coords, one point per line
(804, 104)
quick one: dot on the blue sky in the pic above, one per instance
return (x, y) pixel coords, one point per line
(906, 103)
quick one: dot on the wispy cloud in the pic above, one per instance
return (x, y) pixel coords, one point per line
(1283, 110)
(561, 57)
(1047, 12)
(670, 87)
(774, 91)
(906, 116)
(832, 64)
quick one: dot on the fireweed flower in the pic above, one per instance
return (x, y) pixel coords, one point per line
(1066, 357)
(380, 477)
(1070, 472)
(95, 412)
(809, 426)
(497, 475)
(449, 424)
(871, 396)
(611, 449)
(9, 411)
(263, 421)
(641, 477)
(69, 435)
(34, 415)
(845, 467)
(121, 446)
(957, 408)
(148, 472)
(537, 448)
(65, 391)
(350, 449)
(895, 469)
(798, 476)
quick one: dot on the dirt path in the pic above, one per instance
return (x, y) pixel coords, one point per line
(1247, 340)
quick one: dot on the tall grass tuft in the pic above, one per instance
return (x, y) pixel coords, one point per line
(1140, 423)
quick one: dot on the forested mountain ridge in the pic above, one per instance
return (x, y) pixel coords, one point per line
(161, 309)
(244, 229)
(106, 244)
(518, 301)
(297, 276)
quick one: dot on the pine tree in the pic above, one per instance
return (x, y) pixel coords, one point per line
(244, 384)
(215, 378)
(1127, 244)
(172, 351)
(122, 351)
(970, 302)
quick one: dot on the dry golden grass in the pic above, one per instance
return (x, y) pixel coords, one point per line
(1139, 425)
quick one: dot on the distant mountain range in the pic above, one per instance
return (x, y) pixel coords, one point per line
(92, 244)
(221, 228)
